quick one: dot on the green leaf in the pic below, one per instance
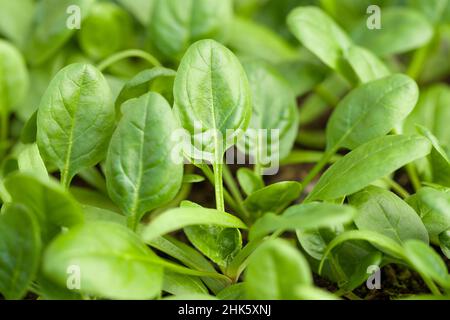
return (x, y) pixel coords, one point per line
(48, 290)
(15, 19)
(315, 105)
(30, 162)
(435, 142)
(444, 242)
(217, 243)
(14, 80)
(272, 198)
(141, 9)
(175, 25)
(189, 257)
(250, 39)
(40, 77)
(347, 264)
(304, 217)
(75, 120)
(145, 81)
(233, 292)
(178, 218)
(433, 113)
(439, 159)
(93, 198)
(361, 166)
(249, 181)
(212, 95)
(402, 30)
(427, 262)
(53, 207)
(309, 292)
(274, 110)
(105, 21)
(275, 269)
(193, 178)
(142, 171)
(94, 214)
(191, 296)
(348, 12)
(365, 64)
(434, 10)
(359, 274)
(383, 212)
(29, 130)
(302, 75)
(50, 31)
(321, 35)
(20, 247)
(178, 284)
(383, 242)
(371, 110)
(433, 207)
(113, 262)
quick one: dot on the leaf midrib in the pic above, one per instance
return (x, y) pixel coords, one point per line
(66, 169)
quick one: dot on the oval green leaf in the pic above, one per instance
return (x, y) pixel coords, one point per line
(53, 207)
(272, 198)
(111, 260)
(382, 211)
(212, 96)
(13, 77)
(371, 110)
(142, 171)
(362, 166)
(175, 25)
(75, 120)
(20, 247)
(274, 271)
(403, 29)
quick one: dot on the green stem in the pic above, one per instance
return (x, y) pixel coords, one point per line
(326, 95)
(412, 173)
(418, 61)
(131, 222)
(312, 138)
(397, 188)
(232, 186)
(327, 156)
(218, 185)
(236, 266)
(93, 177)
(431, 285)
(239, 262)
(227, 197)
(420, 57)
(128, 54)
(65, 179)
(257, 169)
